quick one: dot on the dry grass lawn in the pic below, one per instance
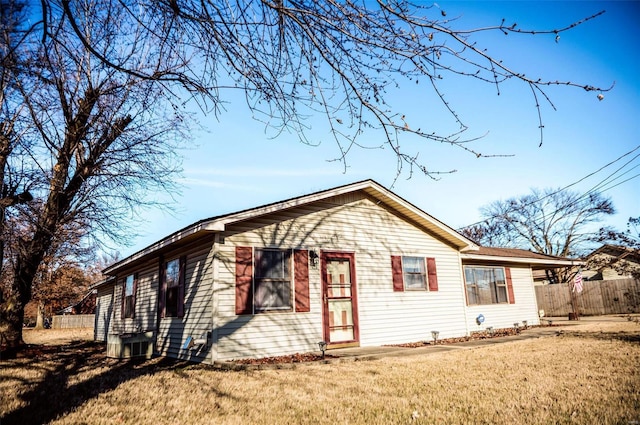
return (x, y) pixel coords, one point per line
(588, 375)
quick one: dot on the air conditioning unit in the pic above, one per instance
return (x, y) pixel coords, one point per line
(124, 346)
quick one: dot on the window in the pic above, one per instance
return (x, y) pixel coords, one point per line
(172, 288)
(485, 285)
(129, 297)
(272, 280)
(414, 273)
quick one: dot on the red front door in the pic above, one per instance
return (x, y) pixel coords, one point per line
(339, 306)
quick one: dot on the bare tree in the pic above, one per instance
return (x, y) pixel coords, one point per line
(13, 179)
(629, 237)
(103, 143)
(66, 269)
(93, 94)
(551, 221)
(295, 59)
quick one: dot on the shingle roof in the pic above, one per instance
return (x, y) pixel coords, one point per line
(514, 252)
(520, 256)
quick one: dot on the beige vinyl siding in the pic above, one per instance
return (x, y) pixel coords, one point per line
(146, 298)
(388, 317)
(172, 332)
(197, 320)
(505, 315)
(350, 223)
(104, 312)
(262, 335)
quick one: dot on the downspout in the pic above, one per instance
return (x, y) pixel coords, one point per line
(464, 297)
(214, 297)
(535, 294)
(158, 301)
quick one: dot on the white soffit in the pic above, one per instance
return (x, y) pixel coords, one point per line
(522, 260)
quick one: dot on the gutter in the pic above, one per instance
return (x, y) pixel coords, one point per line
(523, 260)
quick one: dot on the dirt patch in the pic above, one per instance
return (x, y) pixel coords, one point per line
(498, 333)
(293, 358)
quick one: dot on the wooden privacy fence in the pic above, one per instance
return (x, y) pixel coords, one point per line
(620, 296)
(73, 321)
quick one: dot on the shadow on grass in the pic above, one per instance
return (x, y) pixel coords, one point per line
(59, 391)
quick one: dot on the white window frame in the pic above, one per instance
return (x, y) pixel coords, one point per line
(172, 285)
(406, 259)
(284, 282)
(497, 289)
(129, 296)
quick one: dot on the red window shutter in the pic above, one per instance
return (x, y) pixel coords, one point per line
(301, 280)
(124, 293)
(512, 298)
(396, 271)
(135, 292)
(162, 287)
(181, 284)
(244, 276)
(432, 274)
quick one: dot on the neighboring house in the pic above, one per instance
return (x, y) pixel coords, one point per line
(547, 277)
(354, 265)
(612, 262)
(86, 305)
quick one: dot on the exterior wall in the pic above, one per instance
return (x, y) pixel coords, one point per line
(104, 312)
(146, 300)
(349, 223)
(170, 332)
(505, 315)
(197, 320)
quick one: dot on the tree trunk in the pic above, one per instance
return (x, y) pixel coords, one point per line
(40, 316)
(11, 319)
(12, 311)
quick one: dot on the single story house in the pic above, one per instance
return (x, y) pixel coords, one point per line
(611, 262)
(87, 305)
(355, 265)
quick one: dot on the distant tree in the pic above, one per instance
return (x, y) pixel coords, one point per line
(59, 288)
(551, 221)
(629, 238)
(93, 96)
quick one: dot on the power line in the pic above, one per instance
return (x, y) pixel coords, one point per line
(602, 183)
(586, 194)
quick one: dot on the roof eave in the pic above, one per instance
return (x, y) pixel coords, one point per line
(203, 227)
(536, 263)
(417, 215)
(372, 188)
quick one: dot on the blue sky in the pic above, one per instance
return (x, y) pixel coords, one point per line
(236, 164)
